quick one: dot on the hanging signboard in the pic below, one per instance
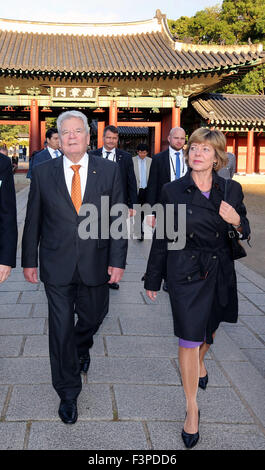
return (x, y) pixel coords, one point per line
(67, 93)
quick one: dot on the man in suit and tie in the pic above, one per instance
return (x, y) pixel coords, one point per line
(141, 164)
(166, 167)
(75, 269)
(8, 218)
(51, 150)
(110, 152)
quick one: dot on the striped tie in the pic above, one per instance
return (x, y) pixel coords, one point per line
(76, 194)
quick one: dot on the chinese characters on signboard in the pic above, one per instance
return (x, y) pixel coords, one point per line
(76, 93)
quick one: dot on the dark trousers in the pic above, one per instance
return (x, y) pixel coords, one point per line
(69, 340)
(141, 199)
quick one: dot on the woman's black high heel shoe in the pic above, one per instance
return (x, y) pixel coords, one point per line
(190, 440)
(203, 381)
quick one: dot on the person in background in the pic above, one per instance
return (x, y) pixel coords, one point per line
(111, 152)
(229, 170)
(4, 150)
(201, 276)
(141, 164)
(8, 217)
(51, 151)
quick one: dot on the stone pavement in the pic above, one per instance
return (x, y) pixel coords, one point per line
(132, 397)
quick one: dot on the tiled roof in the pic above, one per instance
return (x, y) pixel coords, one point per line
(231, 109)
(148, 53)
(124, 130)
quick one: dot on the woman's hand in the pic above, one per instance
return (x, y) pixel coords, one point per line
(151, 294)
(4, 272)
(229, 214)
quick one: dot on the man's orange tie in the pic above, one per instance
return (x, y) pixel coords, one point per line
(76, 194)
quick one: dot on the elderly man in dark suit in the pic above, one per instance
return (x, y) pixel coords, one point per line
(8, 219)
(75, 268)
(110, 152)
(51, 151)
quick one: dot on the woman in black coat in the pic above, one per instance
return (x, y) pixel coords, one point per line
(201, 276)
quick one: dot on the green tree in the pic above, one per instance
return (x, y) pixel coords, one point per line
(9, 134)
(253, 83)
(246, 18)
(236, 21)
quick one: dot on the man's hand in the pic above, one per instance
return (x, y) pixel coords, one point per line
(151, 294)
(151, 220)
(131, 212)
(115, 274)
(4, 272)
(31, 275)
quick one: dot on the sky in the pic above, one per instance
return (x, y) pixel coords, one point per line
(100, 11)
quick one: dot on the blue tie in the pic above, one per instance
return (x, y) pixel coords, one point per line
(56, 153)
(177, 166)
(143, 175)
(107, 155)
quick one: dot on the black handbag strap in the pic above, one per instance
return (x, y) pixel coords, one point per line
(226, 190)
(231, 231)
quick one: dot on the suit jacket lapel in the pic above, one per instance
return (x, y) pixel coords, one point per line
(167, 164)
(59, 177)
(92, 178)
(198, 199)
(118, 156)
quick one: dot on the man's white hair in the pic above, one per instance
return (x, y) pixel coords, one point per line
(72, 114)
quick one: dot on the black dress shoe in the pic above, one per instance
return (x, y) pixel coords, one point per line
(84, 363)
(190, 440)
(114, 285)
(203, 381)
(68, 411)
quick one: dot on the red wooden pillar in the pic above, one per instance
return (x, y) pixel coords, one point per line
(175, 117)
(34, 128)
(101, 125)
(250, 155)
(113, 114)
(42, 133)
(236, 150)
(157, 137)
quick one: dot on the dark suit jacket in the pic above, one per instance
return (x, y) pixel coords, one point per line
(124, 159)
(39, 157)
(52, 222)
(158, 176)
(8, 214)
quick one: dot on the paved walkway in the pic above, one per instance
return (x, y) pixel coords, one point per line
(132, 397)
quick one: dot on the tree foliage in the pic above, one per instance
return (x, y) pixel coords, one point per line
(234, 22)
(9, 134)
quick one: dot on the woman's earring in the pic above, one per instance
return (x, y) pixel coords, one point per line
(214, 164)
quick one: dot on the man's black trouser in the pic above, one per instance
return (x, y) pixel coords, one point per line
(67, 340)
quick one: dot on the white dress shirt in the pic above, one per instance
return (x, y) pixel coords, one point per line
(69, 173)
(143, 182)
(172, 162)
(112, 155)
(52, 152)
